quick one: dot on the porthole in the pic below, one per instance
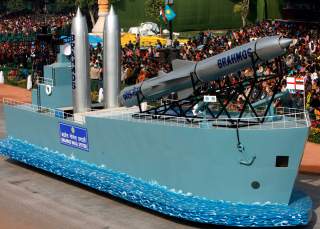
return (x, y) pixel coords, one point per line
(255, 185)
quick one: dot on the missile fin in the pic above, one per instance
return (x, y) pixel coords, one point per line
(177, 63)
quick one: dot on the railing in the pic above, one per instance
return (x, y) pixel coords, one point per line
(45, 111)
(286, 119)
(217, 106)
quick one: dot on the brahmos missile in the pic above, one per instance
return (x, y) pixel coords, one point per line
(111, 60)
(213, 68)
(80, 64)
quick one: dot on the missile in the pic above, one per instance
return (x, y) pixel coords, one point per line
(111, 60)
(210, 69)
(81, 89)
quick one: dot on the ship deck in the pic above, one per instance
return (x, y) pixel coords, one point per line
(282, 120)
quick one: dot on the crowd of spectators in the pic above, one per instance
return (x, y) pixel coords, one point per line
(140, 63)
(301, 61)
(19, 52)
(30, 24)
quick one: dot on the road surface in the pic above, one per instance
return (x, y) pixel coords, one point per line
(31, 198)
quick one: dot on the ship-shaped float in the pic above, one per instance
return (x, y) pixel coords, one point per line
(207, 156)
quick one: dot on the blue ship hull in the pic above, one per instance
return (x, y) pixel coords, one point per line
(158, 198)
(195, 173)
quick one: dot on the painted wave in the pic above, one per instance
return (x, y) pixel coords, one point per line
(158, 198)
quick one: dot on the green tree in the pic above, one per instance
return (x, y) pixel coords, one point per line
(3, 6)
(15, 5)
(152, 9)
(90, 6)
(242, 8)
(63, 5)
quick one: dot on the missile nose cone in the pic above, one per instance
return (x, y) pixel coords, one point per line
(111, 12)
(78, 12)
(285, 42)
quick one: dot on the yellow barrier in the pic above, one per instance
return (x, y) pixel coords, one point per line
(145, 41)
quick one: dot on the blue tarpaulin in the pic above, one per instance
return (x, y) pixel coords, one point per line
(93, 39)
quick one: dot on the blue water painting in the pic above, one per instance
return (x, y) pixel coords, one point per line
(158, 198)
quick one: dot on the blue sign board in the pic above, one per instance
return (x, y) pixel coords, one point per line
(59, 114)
(74, 136)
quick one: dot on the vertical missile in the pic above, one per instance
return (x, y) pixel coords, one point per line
(81, 88)
(111, 60)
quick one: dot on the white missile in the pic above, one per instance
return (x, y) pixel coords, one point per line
(207, 70)
(80, 64)
(111, 60)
